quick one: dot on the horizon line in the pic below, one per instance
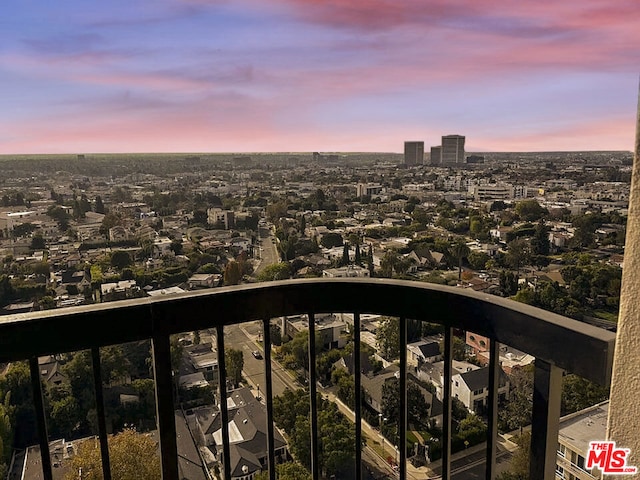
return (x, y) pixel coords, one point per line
(310, 152)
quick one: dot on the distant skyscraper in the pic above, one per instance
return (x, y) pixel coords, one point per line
(452, 149)
(436, 156)
(413, 153)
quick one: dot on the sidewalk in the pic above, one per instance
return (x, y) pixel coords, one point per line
(434, 468)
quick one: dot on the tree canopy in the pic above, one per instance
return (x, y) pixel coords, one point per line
(234, 363)
(388, 337)
(335, 432)
(131, 454)
(287, 471)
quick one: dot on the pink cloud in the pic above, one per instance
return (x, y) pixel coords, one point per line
(615, 133)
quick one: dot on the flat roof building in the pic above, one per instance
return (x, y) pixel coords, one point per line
(452, 149)
(575, 432)
(413, 153)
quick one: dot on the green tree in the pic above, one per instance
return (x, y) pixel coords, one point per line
(64, 414)
(459, 251)
(335, 432)
(519, 467)
(109, 221)
(276, 334)
(275, 271)
(232, 273)
(370, 266)
(358, 255)
(37, 242)
(23, 229)
(98, 205)
(417, 406)
(388, 337)
(41, 269)
(345, 254)
(6, 429)
(234, 363)
(287, 471)
(131, 454)
(15, 387)
(517, 411)
(331, 239)
(579, 393)
(540, 240)
(47, 302)
(176, 246)
(389, 263)
(60, 215)
(120, 259)
(530, 210)
(478, 260)
(518, 254)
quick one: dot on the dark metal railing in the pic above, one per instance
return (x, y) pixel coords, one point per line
(558, 343)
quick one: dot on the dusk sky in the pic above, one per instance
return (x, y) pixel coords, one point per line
(317, 75)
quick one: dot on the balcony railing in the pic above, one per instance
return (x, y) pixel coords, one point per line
(557, 343)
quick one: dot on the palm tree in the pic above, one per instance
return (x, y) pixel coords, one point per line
(460, 250)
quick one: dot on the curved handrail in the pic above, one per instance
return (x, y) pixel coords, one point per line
(569, 344)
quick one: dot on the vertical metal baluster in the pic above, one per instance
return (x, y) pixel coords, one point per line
(446, 422)
(271, 456)
(224, 411)
(102, 423)
(547, 393)
(357, 381)
(492, 430)
(402, 440)
(315, 467)
(41, 420)
(161, 353)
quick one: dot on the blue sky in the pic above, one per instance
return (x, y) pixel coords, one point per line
(311, 75)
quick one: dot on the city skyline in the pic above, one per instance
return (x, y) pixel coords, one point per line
(296, 75)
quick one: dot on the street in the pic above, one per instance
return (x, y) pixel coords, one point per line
(253, 371)
(268, 250)
(464, 466)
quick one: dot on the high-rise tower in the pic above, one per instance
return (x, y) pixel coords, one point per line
(452, 149)
(413, 153)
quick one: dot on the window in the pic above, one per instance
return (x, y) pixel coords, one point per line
(457, 384)
(559, 471)
(580, 462)
(562, 450)
(478, 392)
(483, 343)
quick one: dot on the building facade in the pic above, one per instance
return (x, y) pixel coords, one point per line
(575, 432)
(413, 153)
(452, 149)
(436, 155)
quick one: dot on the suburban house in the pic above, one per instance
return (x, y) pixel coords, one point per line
(510, 358)
(50, 370)
(374, 383)
(204, 280)
(423, 351)
(472, 388)
(328, 327)
(469, 383)
(347, 271)
(247, 431)
(119, 290)
(204, 359)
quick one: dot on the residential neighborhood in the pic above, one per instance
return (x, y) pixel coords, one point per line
(543, 229)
